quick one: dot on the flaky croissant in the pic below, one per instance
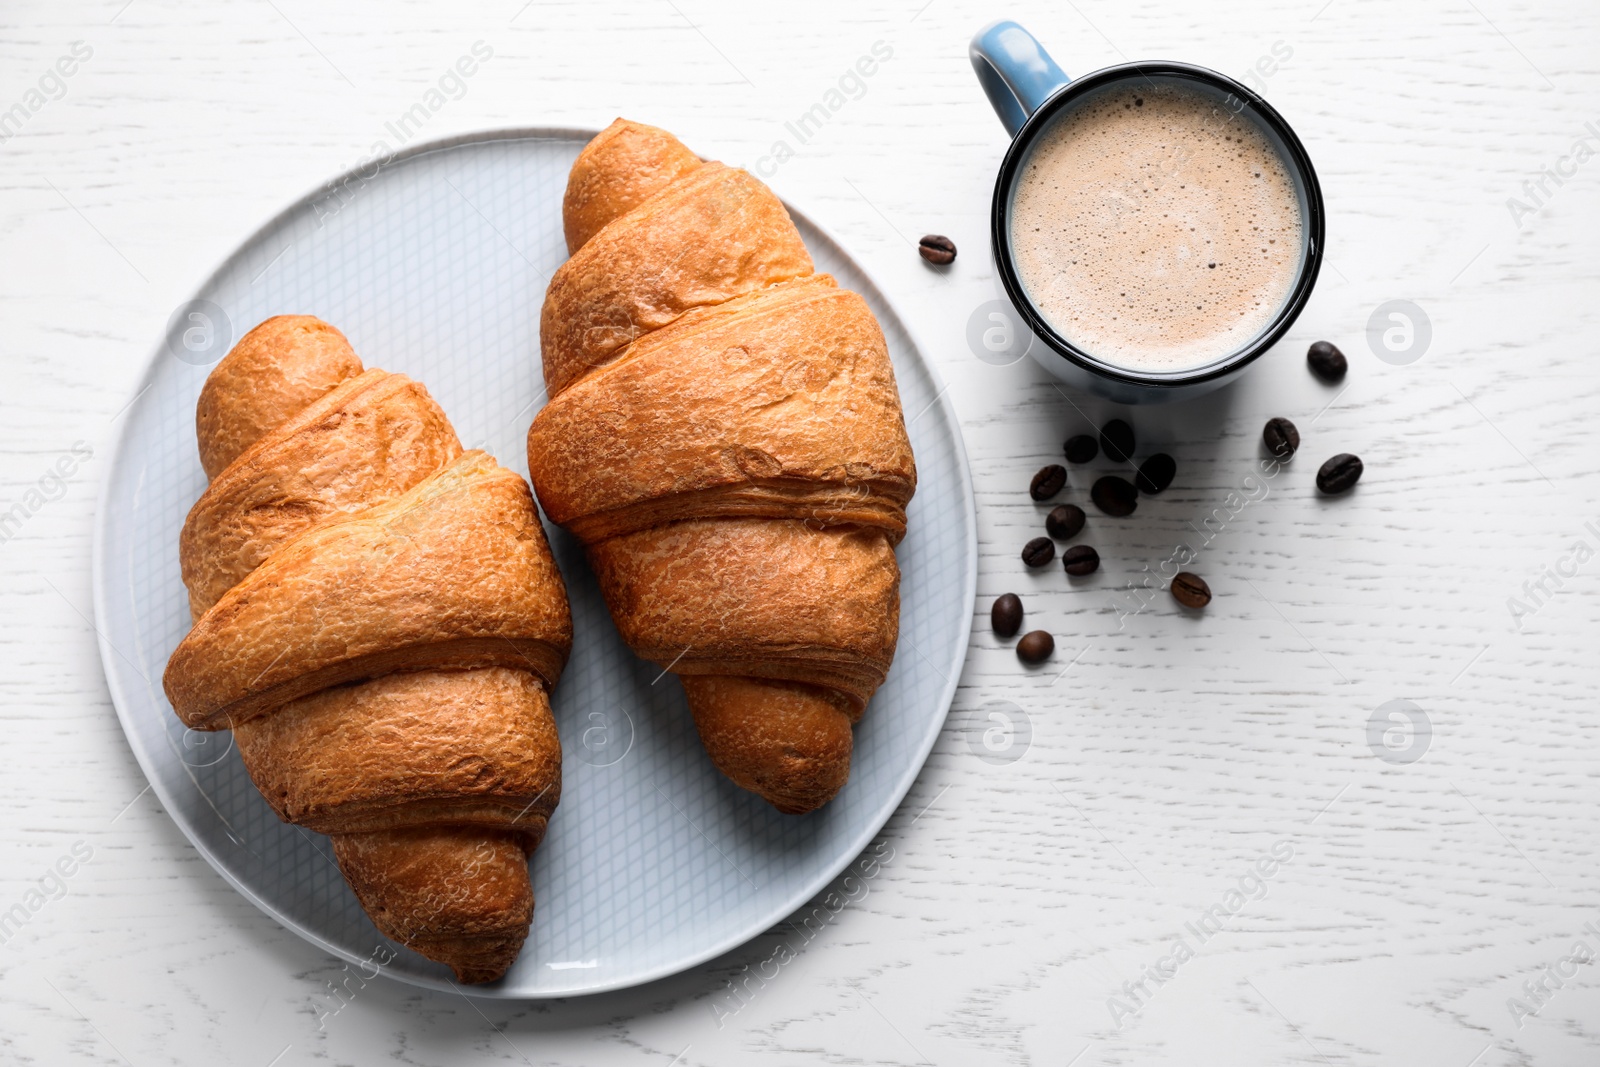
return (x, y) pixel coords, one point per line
(379, 620)
(724, 436)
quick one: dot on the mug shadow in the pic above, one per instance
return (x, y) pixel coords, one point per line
(1188, 423)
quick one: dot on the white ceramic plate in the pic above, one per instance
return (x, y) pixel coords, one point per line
(435, 265)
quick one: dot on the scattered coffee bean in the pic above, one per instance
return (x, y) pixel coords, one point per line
(1190, 590)
(1116, 437)
(1080, 560)
(1326, 361)
(1339, 473)
(1281, 438)
(1064, 521)
(936, 248)
(1036, 646)
(1006, 615)
(1082, 448)
(1038, 552)
(1048, 482)
(1156, 473)
(1115, 496)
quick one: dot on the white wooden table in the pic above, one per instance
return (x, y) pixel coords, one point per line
(1023, 902)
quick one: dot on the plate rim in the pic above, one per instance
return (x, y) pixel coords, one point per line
(100, 547)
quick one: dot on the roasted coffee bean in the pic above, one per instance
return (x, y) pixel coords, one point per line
(936, 248)
(1190, 590)
(1281, 438)
(1080, 560)
(1326, 361)
(1064, 521)
(1156, 473)
(1036, 646)
(1006, 615)
(1082, 448)
(1048, 482)
(1339, 473)
(1116, 437)
(1038, 552)
(1115, 496)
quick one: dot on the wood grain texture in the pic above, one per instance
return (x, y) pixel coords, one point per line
(1009, 902)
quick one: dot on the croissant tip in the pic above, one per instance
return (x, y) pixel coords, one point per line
(787, 742)
(798, 806)
(478, 960)
(468, 974)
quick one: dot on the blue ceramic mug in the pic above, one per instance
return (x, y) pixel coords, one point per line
(1029, 92)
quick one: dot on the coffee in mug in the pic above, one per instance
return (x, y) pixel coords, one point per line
(1155, 230)
(1118, 193)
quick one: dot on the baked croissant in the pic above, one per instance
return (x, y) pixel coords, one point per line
(724, 436)
(379, 620)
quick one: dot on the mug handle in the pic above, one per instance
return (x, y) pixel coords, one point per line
(1016, 73)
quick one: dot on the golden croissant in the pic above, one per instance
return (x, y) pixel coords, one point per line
(378, 619)
(725, 437)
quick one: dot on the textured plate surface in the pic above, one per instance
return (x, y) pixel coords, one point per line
(435, 265)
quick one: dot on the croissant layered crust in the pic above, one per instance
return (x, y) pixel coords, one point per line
(725, 437)
(474, 748)
(639, 273)
(766, 405)
(367, 440)
(378, 618)
(757, 598)
(453, 573)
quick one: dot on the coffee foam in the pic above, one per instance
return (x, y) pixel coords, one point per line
(1154, 230)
